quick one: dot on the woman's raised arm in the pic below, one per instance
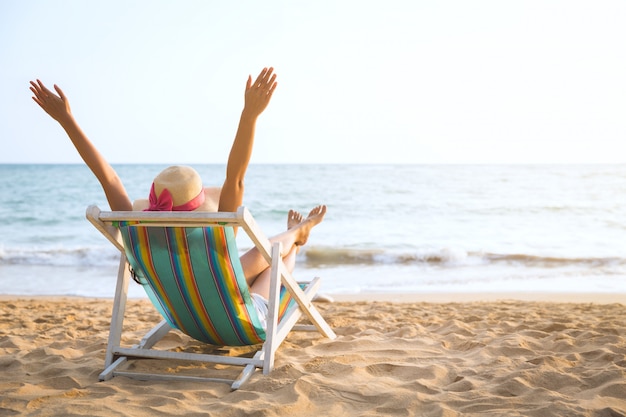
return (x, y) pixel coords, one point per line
(58, 107)
(257, 97)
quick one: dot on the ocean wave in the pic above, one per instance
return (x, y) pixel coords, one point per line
(348, 256)
(59, 256)
(446, 257)
(319, 257)
(553, 261)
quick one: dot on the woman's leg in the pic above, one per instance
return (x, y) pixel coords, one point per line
(254, 264)
(261, 284)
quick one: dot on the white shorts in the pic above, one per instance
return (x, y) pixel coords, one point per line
(261, 306)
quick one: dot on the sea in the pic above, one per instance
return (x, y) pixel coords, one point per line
(389, 228)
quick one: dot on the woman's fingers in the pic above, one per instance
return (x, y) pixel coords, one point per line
(266, 78)
(60, 92)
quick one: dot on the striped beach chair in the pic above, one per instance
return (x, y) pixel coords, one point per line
(188, 264)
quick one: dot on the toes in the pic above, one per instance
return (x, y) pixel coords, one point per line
(293, 219)
(321, 209)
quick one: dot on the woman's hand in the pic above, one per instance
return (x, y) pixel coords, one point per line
(57, 106)
(259, 93)
(257, 97)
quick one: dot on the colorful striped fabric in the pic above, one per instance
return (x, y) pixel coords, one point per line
(194, 278)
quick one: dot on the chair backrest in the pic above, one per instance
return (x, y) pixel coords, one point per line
(194, 277)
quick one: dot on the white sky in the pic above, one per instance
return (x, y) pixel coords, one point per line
(410, 81)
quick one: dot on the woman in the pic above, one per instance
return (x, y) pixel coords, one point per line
(180, 188)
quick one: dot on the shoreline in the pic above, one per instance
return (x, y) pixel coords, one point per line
(434, 297)
(461, 297)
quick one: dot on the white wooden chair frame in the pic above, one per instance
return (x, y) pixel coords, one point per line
(276, 333)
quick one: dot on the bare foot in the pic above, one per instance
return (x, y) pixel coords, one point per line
(293, 219)
(315, 217)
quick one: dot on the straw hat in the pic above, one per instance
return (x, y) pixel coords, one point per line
(179, 188)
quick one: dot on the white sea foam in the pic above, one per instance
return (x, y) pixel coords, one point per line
(60, 256)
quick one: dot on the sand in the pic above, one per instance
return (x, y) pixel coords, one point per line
(438, 355)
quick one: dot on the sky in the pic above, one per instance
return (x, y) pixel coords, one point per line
(407, 81)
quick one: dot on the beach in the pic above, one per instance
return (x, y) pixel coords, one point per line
(395, 354)
(491, 290)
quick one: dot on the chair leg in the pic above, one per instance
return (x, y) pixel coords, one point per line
(246, 373)
(108, 371)
(305, 303)
(270, 345)
(119, 307)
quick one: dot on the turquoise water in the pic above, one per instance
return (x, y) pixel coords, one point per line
(407, 228)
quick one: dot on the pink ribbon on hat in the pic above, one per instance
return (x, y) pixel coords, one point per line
(164, 201)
